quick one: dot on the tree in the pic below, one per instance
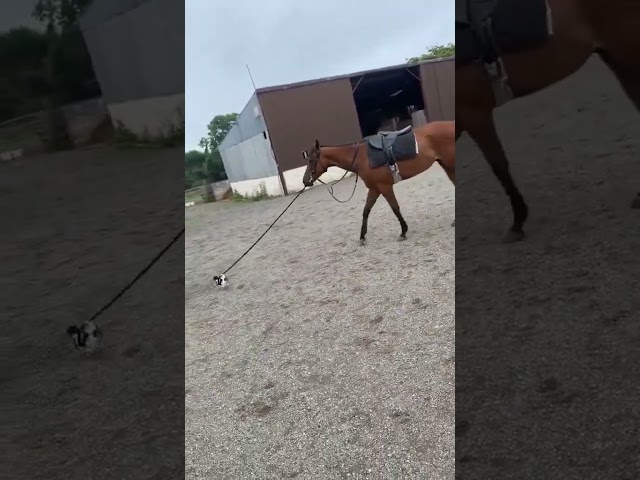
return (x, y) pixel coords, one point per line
(202, 166)
(57, 15)
(22, 82)
(218, 128)
(194, 160)
(214, 167)
(435, 51)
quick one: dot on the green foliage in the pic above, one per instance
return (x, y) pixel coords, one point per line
(207, 166)
(218, 129)
(36, 65)
(59, 13)
(435, 51)
(201, 167)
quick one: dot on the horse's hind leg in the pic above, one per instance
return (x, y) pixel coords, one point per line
(628, 74)
(390, 197)
(451, 173)
(481, 128)
(372, 196)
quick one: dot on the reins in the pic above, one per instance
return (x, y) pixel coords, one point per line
(140, 274)
(330, 186)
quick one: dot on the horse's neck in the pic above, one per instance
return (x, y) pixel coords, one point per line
(341, 156)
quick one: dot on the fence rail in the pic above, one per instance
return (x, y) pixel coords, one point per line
(220, 190)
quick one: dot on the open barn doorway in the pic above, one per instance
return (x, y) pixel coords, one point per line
(389, 99)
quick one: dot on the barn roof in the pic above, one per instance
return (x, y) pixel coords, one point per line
(349, 75)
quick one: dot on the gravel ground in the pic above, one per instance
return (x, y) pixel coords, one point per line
(77, 226)
(323, 359)
(546, 329)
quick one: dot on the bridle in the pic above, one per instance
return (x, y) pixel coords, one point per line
(330, 186)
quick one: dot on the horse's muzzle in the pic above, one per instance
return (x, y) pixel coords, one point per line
(308, 180)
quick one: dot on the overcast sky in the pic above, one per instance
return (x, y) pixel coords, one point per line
(17, 13)
(286, 41)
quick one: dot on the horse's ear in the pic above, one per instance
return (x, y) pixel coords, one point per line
(317, 145)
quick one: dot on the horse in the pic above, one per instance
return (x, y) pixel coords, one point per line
(581, 28)
(435, 142)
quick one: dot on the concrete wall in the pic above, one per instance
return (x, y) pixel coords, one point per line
(154, 115)
(27, 133)
(273, 184)
(83, 118)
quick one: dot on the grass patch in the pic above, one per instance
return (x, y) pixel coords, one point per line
(170, 136)
(195, 196)
(259, 194)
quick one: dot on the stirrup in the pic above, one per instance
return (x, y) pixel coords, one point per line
(395, 173)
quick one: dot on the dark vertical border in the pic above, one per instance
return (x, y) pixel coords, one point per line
(79, 224)
(546, 329)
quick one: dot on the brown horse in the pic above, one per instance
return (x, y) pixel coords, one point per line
(580, 29)
(436, 143)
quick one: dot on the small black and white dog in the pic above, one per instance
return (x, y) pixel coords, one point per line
(221, 280)
(87, 337)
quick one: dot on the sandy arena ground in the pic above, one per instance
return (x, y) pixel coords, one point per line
(546, 330)
(77, 226)
(323, 359)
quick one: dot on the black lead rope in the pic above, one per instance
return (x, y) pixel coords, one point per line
(330, 189)
(265, 232)
(138, 276)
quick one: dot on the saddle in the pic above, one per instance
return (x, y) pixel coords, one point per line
(476, 17)
(489, 28)
(384, 141)
(387, 148)
(470, 12)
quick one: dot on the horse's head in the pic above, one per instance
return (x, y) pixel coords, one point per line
(316, 165)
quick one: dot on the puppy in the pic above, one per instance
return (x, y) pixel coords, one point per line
(221, 280)
(87, 337)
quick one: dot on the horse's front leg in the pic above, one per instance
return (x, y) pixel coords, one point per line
(390, 197)
(482, 130)
(372, 196)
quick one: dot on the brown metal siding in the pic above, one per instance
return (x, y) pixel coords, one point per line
(296, 117)
(439, 90)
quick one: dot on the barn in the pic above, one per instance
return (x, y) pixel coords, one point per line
(263, 149)
(131, 43)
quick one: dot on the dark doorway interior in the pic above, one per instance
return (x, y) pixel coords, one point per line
(386, 99)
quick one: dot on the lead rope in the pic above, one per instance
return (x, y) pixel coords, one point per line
(138, 276)
(265, 232)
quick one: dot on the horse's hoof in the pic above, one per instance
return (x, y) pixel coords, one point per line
(636, 202)
(402, 238)
(363, 242)
(512, 237)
